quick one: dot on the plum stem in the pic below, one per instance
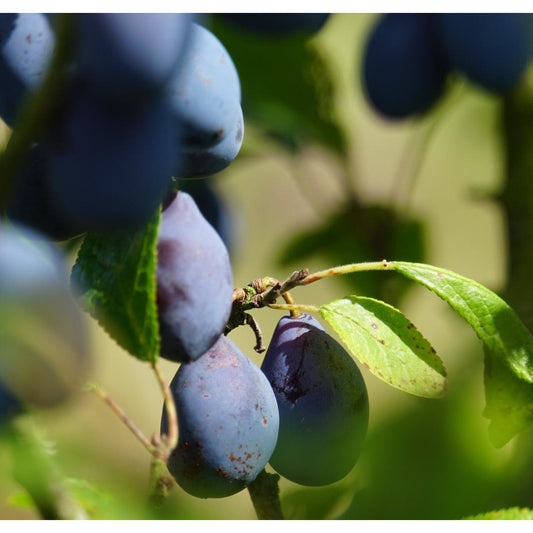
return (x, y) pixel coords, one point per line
(171, 439)
(264, 492)
(296, 309)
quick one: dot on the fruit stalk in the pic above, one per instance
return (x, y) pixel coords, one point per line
(264, 492)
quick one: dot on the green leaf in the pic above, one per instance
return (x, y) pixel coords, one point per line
(508, 346)
(287, 86)
(115, 273)
(388, 344)
(513, 513)
(494, 321)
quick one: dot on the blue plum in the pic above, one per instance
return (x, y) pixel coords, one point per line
(491, 49)
(30, 203)
(228, 422)
(43, 338)
(404, 70)
(26, 46)
(277, 24)
(205, 91)
(194, 281)
(109, 168)
(126, 55)
(200, 162)
(322, 401)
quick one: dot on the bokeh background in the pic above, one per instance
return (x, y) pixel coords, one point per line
(425, 190)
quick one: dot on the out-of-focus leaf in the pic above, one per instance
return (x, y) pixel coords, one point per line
(321, 503)
(507, 342)
(388, 344)
(361, 233)
(509, 401)
(514, 513)
(287, 86)
(115, 273)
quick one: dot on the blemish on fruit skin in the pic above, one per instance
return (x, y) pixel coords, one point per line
(374, 325)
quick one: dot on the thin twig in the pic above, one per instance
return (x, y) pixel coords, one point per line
(123, 416)
(172, 417)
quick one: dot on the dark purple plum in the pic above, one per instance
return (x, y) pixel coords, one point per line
(205, 91)
(43, 338)
(126, 55)
(26, 45)
(322, 401)
(404, 69)
(194, 281)
(108, 168)
(277, 24)
(228, 422)
(30, 203)
(491, 49)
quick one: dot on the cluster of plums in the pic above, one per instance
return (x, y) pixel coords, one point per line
(408, 56)
(146, 97)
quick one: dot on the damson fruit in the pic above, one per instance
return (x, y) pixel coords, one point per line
(491, 49)
(205, 91)
(322, 401)
(125, 55)
(43, 339)
(108, 168)
(31, 205)
(404, 70)
(194, 281)
(26, 45)
(228, 422)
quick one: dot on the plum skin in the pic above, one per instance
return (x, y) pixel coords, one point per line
(228, 422)
(322, 401)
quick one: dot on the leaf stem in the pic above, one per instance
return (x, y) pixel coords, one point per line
(347, 269)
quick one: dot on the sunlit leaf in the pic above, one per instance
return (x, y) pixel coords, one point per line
(514, 513)
(388, 344)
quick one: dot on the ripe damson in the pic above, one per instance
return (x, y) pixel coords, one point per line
(404, 70)
(228, 422)
(491, 49)
(322, 401)
(194, 281)
(108, 168)
(205, 91)
(43, 339)
(126, 55)
(26, 45)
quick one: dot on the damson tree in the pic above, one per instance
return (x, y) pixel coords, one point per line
(123, 131)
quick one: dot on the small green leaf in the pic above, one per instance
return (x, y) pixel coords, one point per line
(388, 344)
(507, 342)
(494, 321)
(116, 276)
(513, 513)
